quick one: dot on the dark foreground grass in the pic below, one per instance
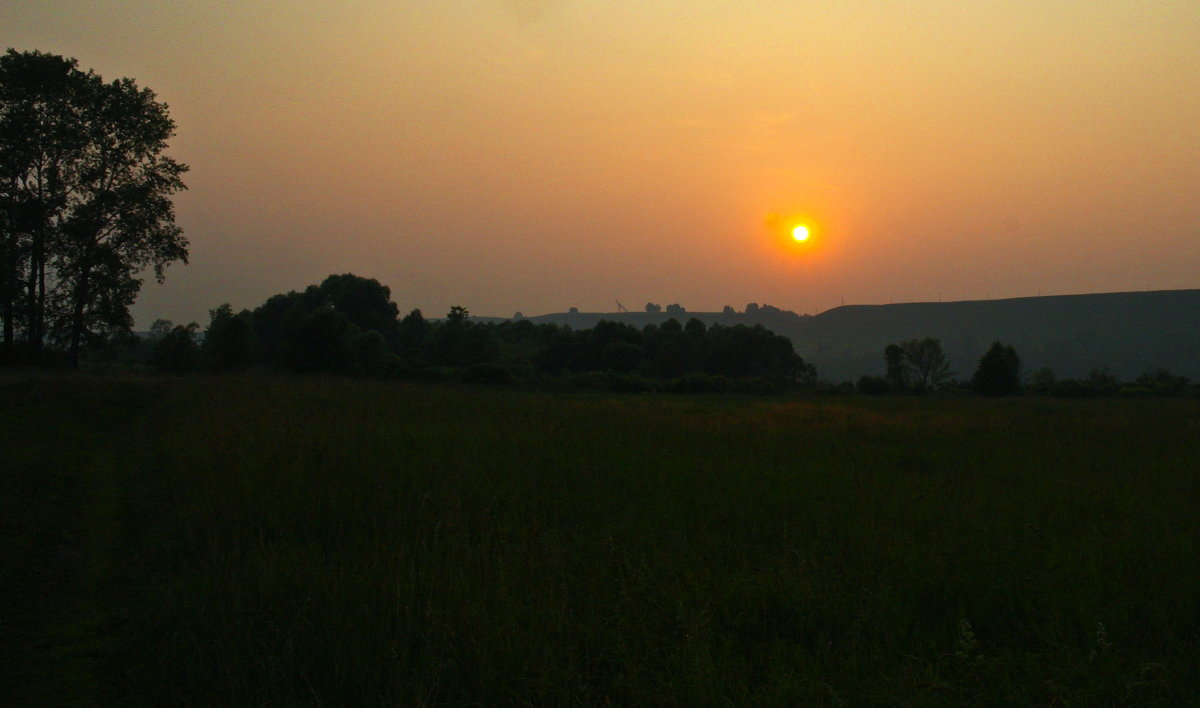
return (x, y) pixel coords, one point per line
(241, 542)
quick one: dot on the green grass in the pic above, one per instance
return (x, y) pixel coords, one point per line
(284, 541)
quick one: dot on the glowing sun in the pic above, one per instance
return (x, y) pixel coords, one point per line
(800, 233)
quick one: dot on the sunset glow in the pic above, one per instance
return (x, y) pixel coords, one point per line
(800, 233)
(536, 155)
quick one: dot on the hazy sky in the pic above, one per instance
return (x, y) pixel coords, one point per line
(539, 154)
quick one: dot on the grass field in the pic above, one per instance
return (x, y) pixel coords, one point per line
(281, 541)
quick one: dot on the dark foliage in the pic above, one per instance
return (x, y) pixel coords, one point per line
(319, 341)
(488, 373)
(916, 365)
(177, 351)
(1161, 382)
(347, 325)
(897, 368)
(926, 361)
(370, 356)
(365, 302)
(999, 372)
(680, 354)
(229, 341)
(85, 203)
(874, 385)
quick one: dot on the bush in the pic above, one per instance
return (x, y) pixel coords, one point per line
(828, 388)
(178, 352)
(370, 354)
(874, 385)
(1073, 388)
(488, 373)
(755, 385)
(630, 384)
(229, 341)
(1042, 381)
(999, 372)
(1162, 382)
(697, 383)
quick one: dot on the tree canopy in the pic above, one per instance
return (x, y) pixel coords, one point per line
(927, 362)
(349, 325)
(85, 201)
(999, 372)
(916, 365)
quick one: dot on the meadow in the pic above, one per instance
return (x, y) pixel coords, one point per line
(285, 541)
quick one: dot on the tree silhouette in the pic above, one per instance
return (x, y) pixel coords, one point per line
(926, 362)
(413, 333)
(160, 328)
(229, 341)
(1042, 381)
(897, 368)
(177, 351)
(277, 323)
(370, 355)
(320, 342)
(622, 356)
(457, 342)
(364, 301)
(85, 194)
(999, 372)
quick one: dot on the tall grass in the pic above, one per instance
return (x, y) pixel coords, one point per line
(343, 543)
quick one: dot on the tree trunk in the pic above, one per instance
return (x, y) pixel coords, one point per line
(35, 324)
(7, 355)
(9, 287)
(32, 338)
(78, 308)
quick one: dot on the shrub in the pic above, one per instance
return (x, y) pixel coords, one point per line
(999, 372)
(698, 383)
(488, 373)
(874, 385)
(177, 351)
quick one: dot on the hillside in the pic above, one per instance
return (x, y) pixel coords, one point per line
(1126, 333)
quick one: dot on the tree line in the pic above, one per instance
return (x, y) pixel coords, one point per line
(85, 210)
(919, 366)
(348, 325)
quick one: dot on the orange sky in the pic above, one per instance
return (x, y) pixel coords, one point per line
(538, 154)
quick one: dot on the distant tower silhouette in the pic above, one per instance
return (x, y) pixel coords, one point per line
(620, 307)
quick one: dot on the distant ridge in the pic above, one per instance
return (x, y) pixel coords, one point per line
(1125, 333)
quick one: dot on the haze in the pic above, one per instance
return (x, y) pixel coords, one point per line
(535, 155)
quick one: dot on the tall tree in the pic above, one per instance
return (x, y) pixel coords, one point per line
(86, 192)
(364, 301)
(39, 141)
(229, 341)
(999, 372)
(897, 369)
(926, 361)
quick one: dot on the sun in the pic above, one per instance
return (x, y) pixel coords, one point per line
(800, 233)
